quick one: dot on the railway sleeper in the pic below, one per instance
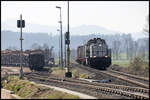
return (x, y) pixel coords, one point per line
(104, 89)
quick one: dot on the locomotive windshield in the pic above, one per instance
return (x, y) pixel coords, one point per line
(98, 49)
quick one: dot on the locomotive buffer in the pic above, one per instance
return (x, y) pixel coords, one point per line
(21, 24)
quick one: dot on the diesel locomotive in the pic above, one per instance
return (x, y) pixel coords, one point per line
(95, 53)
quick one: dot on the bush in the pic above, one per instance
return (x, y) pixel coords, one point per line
(138, 66)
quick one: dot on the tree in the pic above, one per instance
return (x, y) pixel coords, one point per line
(51, 51)
(135, 47)
(36, 46)
(129, 46)
(143, 49)
(12, 48)
(146, 27)
(45, 46)
(46, 49)
(116, 49)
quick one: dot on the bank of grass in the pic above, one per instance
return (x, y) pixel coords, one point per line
(28, 90)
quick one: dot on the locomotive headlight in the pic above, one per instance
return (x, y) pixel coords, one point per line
(94, 56)
(100, 45)
(106, 56)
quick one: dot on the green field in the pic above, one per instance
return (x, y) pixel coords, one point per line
(56, 61)
(122, 63)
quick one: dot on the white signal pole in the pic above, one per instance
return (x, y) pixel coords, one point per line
(21, 69)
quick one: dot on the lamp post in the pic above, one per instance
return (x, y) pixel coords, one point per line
(61, 37)
(59, 47)
(65, 48)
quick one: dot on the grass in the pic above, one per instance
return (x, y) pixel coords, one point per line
(122, 55)
(75, 73)
(57, 61)
(16, 85)
(122, 63)
(58, 71)
(57, 68)
(58, 95)
(137, 66)
(27, 90)
(84, 75)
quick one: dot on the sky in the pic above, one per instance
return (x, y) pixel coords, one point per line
(122, 16)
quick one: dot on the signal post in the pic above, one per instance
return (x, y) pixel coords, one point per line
(21, 24)
(67, 42)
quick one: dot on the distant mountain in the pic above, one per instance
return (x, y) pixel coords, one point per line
(9, 38)
(80, 30)
(92, 29)
(34, 28)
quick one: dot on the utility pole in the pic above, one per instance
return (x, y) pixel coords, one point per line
(65, 48)
(61, 37)
(21, 24)
(68, 73)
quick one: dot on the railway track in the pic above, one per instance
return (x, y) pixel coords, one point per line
(126, 79)
(140, 81)
(96, 88)
(126, 88)
(132, 76)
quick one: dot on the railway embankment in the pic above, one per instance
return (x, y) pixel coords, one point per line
(26, 89)
(7, 94)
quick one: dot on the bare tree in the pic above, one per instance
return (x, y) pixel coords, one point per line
(127, 47)
(12, 48)
(36, 46)
(146, 28)
(135, 48)
(46, 54)
(131, 49)
(147, 47)
(45, 46)
(51, 51)
(116, 49)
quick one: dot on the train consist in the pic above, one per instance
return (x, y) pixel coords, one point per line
(34, 59)
(12, 58)
(94, 53)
